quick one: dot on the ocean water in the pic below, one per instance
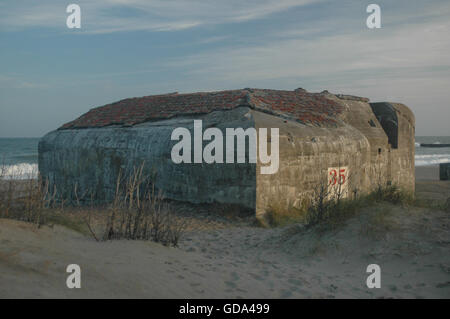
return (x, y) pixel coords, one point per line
(431, 155)
(19, 156)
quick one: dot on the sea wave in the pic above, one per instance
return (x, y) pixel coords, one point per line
(417, 144)
(431, 159)
(19, 171)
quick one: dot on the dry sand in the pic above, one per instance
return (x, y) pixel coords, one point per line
(427, 173)
(234, 259)
(428, 185)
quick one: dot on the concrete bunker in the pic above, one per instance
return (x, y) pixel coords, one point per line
(387, 117)
(322, 137)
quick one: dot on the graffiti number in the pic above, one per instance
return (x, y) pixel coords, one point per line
(334, 177)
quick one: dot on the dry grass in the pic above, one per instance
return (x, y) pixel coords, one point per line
(278, 215)
(447, 205)
(335, 212)
(329, 210)
(379, 223)
(138, 211)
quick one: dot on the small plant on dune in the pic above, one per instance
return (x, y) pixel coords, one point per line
(7, 191)
(35, 201)
(378, 223)
(280, 215)
(392, 194)
(320, 206)
(139, 211)
(25, 199)
(328, 200)
(334, 212)
(329, 207)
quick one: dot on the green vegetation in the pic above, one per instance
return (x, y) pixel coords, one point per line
(331, 209)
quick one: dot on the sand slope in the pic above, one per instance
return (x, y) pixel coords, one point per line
(238, 261)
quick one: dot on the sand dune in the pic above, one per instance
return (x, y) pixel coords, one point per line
(223, 257)
(238, 260)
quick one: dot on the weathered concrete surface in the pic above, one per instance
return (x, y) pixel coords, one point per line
(346, 131)
(359, 115)
(92, 158)
(402, 167)
(306, 153)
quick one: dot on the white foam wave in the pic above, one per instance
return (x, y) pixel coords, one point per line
(19, 171)
(423, 160)
(417, 144)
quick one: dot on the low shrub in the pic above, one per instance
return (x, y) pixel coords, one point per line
(138, 211)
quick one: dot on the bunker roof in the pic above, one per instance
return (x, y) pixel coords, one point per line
(299, 105)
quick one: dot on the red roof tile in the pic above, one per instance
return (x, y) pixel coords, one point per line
(299, 105)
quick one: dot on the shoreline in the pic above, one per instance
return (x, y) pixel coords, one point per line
(427, 172)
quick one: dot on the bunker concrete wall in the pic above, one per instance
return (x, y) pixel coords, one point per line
(306, 153)
(361, 145)
(92, 159)
(402, 158)
(391, 163)
(360, 115)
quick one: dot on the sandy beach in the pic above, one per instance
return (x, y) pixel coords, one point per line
(233, 258)
(427, 173)
(428, 185)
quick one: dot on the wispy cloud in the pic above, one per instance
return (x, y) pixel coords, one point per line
(17, 82)
(108, 16)
(406, 49)
(316, 44)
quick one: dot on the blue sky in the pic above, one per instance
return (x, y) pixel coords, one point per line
(50, 74)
